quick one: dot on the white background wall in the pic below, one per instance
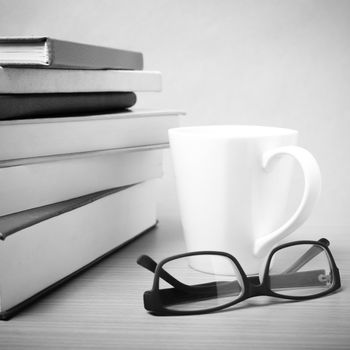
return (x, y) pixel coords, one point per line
(266, 62)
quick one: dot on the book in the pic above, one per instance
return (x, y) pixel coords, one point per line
(27, 186)
(42, 248)
(53, 53)
(27, 138)
(31, 80)
(17, 106)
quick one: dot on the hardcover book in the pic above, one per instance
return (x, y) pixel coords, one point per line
(42, 248)
(18, 106)
(29, 186)
(31, 80)
(52, 53)
(29, 138)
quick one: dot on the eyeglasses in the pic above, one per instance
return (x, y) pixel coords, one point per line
(207, 281)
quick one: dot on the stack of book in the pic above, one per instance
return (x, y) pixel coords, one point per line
(77, 166)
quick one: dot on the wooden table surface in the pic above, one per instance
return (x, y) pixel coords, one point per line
(103, 308)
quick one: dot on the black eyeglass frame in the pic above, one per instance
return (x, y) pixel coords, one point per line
(251, 284)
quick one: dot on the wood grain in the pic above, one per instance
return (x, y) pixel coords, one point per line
(103, 309)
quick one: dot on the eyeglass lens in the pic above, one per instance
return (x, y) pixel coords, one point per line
(205, 281)
(300, 270)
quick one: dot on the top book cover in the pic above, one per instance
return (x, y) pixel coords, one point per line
(46, 52)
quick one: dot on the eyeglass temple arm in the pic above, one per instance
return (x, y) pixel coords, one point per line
(228, 288)
(201, 292)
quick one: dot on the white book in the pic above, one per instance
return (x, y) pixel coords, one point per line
(28, 186)
(52, 136)
(40, 250)
(32, 80)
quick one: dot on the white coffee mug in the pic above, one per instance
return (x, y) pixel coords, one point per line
(233, 183)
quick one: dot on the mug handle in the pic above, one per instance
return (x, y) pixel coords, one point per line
(312, 190)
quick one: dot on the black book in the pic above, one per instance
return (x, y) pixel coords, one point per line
(19, 106)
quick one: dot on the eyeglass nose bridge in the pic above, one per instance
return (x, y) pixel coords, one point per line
(255, 288)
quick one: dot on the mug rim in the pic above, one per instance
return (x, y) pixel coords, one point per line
(231, 131)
